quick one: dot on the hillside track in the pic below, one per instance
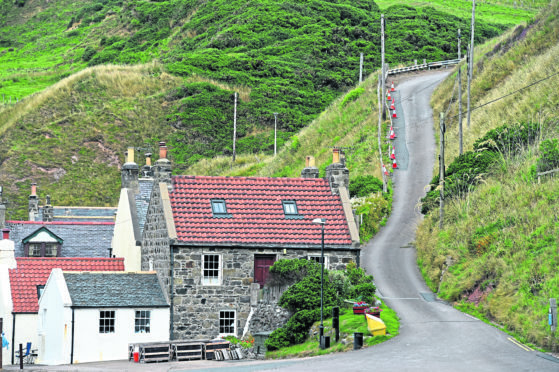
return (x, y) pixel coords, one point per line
(433, 335)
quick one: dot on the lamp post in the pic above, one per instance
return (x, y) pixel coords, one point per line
(275, 132)
(321, 222)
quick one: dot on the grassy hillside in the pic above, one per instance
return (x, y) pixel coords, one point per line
(294, 58)
(498, 253)
(506, 12)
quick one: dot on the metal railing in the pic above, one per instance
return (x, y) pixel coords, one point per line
(422, 66)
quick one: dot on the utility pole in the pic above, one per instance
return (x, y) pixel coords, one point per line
(471, 57)
(383, 108)
(234, 127)
(459, 95)
(361, 68)
(380, 106)
(275, 132)
(469, 76)
(441, 171)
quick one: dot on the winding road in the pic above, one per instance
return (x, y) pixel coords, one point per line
(433, 335)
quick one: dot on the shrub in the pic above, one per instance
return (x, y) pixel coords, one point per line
(88, 53)
(362, 186)
(549, 158)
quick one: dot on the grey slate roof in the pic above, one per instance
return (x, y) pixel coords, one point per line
(102, 289)
(81, 239)
(85, 214)
(142, 201)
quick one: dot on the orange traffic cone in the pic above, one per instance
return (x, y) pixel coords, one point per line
(388, 97)
(394, 165)
(392, 87)
(394, 113)
(384, 170)
(392, 107)
(392, 134)
(393, 155)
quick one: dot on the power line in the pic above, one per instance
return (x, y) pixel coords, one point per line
(510, 94)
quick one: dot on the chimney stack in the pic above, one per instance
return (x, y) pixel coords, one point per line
(336, 173)
(310, 171)
(162, 168)
(7, 251)
(130, 171)
(48, 211)
(2, 211)
(147, 171)
(33, 203)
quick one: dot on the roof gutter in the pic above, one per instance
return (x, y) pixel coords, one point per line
(13, 335)
(347, 247)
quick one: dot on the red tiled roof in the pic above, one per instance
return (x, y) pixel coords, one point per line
(31, 272)
(257, 216)
(62, 222)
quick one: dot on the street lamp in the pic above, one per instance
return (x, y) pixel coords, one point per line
(321, 222)
(275, 132)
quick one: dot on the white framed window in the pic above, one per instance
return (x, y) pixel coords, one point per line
(317, 259)
(142, 321)
(106, 321)
(35, 250)
(211, 269)
(227, 321)
(51, 250)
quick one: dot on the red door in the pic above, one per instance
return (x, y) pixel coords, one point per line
(262, 263)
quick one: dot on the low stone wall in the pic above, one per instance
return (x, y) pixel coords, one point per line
(268, 317)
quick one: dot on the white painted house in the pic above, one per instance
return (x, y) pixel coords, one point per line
(93, 316)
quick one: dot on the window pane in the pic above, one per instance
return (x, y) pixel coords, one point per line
(227, 322)
(50, 250)
(210, 273)
(290, 207)
(34, 250)
(142, 321)
(106, 321)
(218, 206)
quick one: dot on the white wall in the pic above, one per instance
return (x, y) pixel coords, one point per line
(6, 311)
(55, 329)
(26, 331)
(92, 346)
(124, 243)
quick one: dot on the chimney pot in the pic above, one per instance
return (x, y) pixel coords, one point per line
(148, 159)
(5, 233)
(335, 156)
(162, 150)
(309, 161)
(33, 189)
(130, 155)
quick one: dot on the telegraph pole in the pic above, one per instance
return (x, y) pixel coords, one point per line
(275, 132)
(234, 127)
(468, 58)
(380, 105)
(441, 171)
(383, 108)
(361, 68)
(471, 57)
(459, 94)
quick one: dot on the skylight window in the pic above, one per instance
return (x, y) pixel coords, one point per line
(290, 209)
(219, 208)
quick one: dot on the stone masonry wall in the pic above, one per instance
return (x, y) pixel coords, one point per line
(197, 306)
(155, 241)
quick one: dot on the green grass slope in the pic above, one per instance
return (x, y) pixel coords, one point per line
(498, 253)
(291, 57)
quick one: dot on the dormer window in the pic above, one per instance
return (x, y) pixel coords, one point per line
(42, 243)
(290, 209)
(219, 208)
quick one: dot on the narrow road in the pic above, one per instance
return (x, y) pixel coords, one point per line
(433, 335)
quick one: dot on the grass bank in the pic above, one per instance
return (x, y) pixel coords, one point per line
(498, 251)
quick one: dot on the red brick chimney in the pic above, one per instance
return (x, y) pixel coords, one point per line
(33, 203)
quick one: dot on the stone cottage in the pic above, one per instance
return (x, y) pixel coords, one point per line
(211, 238)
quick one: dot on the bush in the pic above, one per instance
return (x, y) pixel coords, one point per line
(362, 186)
(549, 158)
(467, 170)
(352, 96)
(88, 53)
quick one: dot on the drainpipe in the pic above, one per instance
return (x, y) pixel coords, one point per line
(172, 296)
(72, 342)
(13, 335)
